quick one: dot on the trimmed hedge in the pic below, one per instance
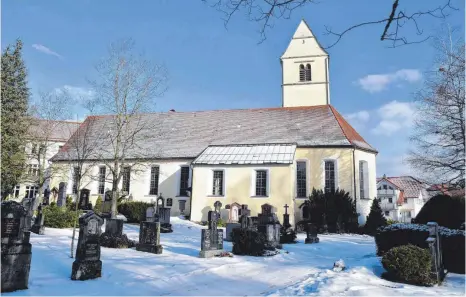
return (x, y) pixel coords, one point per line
(453, 242)
(248, 242)
(59, 217)
(409, 264)
(445, 210)
(134, 211)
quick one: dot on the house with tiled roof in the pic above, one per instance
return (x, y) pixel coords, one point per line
(44, 139)
(401, 197)
(246, 156)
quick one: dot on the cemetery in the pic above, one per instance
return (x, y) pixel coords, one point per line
(191, 259)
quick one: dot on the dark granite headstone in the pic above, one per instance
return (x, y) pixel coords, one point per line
(84, 200)
(38, 226)
(311, 234)
(114, 227)
(149, 238)
(212, 238)
(61, 194)
(16, 249)
(87, 264)
(269, 226)
(286, 218)
(106, 209)
(28, 204)
(164, 215)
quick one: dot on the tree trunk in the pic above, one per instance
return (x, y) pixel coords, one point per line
(74, 223)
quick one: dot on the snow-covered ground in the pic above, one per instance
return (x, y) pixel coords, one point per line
(304, 270)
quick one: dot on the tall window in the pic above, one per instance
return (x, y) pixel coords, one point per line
(261, 183)
(361, 180)
(308, 72)
(33, 169)
(217, 188)
(154, 180)
(17, 191)
(302, 73)
(75, 179)
(184, 179)
(126, 179)
(329, 176)
(102, 173)
(301, 188)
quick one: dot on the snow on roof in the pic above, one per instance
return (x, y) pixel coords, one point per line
(247, 154)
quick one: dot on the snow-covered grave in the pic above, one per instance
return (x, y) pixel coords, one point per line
(307, 269)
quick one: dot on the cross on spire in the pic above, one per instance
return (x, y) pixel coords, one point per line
(286, 208)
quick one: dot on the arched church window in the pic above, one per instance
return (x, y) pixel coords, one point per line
(308, 72)
(302, 74)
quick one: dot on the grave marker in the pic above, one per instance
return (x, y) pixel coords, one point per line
(435, 248)
(16, 249)
(87, 264)
(311, 234)
(212, 238)
(38, 226)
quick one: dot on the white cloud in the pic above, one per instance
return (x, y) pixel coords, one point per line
(78, 94)
(358, 119)
(394, 116)
(46, 50)
(378, 82)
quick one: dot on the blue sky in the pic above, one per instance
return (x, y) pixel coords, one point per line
(212, 67)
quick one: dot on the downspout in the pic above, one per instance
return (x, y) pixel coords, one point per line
(327, 80)
(354, 177)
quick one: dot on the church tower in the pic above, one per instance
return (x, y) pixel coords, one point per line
(305, 70)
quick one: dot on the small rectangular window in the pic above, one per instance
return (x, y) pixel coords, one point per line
(102, 174)
(390, 200)
(184, 180)
(387, 213)
(126, 179)
(217, 186)
(261, 183)
(405, 200)
(154, 180)
(16, 191)
(301, 184)
(329, 176)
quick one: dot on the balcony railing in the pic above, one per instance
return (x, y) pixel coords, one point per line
(386, 192)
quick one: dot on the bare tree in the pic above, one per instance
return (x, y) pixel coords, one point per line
(126, 86)
(439, 137)
(264, 11)
(79, 152)
(46, 124)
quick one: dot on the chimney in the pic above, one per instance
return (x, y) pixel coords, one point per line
(171, 110)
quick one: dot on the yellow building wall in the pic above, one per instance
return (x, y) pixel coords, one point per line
(238, 188)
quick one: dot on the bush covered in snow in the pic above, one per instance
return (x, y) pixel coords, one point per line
(445, 210)
(134, 211)
(287, 235)
(116, 242)
(248, 242)
(59, 217)
(408, 263)
(453, 242)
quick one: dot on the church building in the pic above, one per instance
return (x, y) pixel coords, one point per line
(252, 156)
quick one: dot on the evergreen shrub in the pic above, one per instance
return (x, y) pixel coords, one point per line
(134, 211)
(59, 217)
(444, 210)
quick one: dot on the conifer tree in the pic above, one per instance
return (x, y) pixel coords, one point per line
(375, 219)
(14, 117)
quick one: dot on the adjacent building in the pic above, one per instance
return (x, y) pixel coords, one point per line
(402, 197)
(248, 156)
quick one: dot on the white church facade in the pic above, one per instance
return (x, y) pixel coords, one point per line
(249, 156)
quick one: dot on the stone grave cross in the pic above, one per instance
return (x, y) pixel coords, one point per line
(435, 248)
(212, 238)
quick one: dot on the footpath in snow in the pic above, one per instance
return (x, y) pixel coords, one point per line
(299, 270)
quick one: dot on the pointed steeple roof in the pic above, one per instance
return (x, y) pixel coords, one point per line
(303, 31)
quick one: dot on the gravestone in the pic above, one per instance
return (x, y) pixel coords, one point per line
(231, 226)
(46, 200)
(61, 194)
(287, 234)
(16, 249)
(114, 227)
(164, 215)
(38, 226)
(107, 205)
(87, 264)
(311, 234)
(435, 248)
(212, 238)
(286, 218)
(150, 214)
(149, 237)
(84, 200)
(28, 204)
(269, 226)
